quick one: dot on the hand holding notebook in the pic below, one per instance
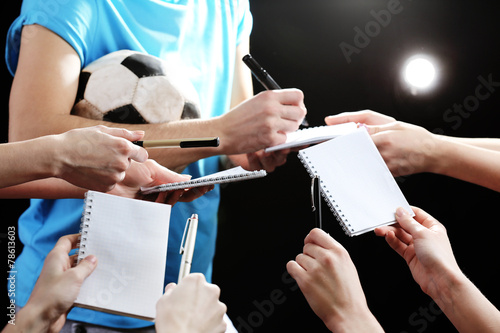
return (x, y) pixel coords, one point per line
(129, 238)
(226, 176)
(355, 181)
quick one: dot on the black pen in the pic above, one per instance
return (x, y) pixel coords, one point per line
(264, 78)
(179, 143)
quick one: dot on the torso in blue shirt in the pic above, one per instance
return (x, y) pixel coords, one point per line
(201, 36)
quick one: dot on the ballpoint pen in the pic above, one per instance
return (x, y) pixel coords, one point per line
(187, 246)
(264, 78)
(179, 143)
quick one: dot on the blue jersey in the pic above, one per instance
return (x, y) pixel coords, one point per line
(201, 36)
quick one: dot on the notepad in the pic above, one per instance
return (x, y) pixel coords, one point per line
(355, 182)
(227, 176)
(129, 238)
(308, 136)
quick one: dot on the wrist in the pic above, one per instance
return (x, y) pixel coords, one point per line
(354, 321)
(42, 157)
(32, 318)
(448, 287)
(439, 148)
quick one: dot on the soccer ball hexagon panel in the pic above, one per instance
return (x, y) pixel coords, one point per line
(132, 88)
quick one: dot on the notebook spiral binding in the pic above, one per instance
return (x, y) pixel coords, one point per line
(203, 182)
(325, 192)
(84, 228)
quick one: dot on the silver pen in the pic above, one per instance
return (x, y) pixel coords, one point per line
(187, 245)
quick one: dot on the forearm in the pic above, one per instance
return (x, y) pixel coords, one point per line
(175, 159)
(29, 319)
(26, 161)
(51, 188)
(469, 163)
(486, 143)
(465, 306)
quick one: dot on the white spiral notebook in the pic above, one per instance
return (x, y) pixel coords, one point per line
(129, 238)
(227, 176)
(355, 182)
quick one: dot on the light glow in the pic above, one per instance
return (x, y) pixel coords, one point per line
(419, 72)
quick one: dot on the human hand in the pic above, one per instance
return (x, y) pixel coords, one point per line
(56, 289)
(267, 161)
(191, 306)
(95, 157)
(406, 148)
(423, 243)
(149, 174)
(329, 281)
(261, 121)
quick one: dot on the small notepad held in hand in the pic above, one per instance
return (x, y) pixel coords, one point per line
(129, 238)
(355, 181)
(235, 174)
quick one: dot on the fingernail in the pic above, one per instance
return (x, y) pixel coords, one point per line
(363, 125)
(92, 259)
(400, 212)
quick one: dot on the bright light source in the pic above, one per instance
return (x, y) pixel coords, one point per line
(419, 72)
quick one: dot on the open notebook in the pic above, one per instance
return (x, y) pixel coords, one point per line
(227, 176)
(309, 136)
(355, 181)
(129, 238)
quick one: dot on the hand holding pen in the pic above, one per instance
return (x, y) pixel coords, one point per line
(264, 77)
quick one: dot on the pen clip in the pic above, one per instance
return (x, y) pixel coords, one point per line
(313, 192)
(183, 240)
(316, 201)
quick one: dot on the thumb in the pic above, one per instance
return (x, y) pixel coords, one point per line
(407, 222)
(85, 267)
(169, 287)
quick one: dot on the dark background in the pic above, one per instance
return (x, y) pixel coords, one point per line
(263, 222)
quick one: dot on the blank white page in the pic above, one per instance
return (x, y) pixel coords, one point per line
(311, 135)
(129, 238)
(355, 181)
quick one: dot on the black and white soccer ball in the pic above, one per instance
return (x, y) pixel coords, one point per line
(130, 87)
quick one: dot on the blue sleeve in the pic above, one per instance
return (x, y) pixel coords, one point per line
(73, 21)
(245, 22)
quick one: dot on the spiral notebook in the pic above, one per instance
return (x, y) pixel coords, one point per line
(355, 182)
(227, 176)
(129, 238)
(311, 135)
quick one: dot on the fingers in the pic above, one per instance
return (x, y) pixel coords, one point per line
(375, 129)
(121, 132)
(138, 154)
(67, 243)
(322, 239)
(364, 116)
(290, 107)
(395, 243)
(132, 151)
(294, 269)
(162, 175)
